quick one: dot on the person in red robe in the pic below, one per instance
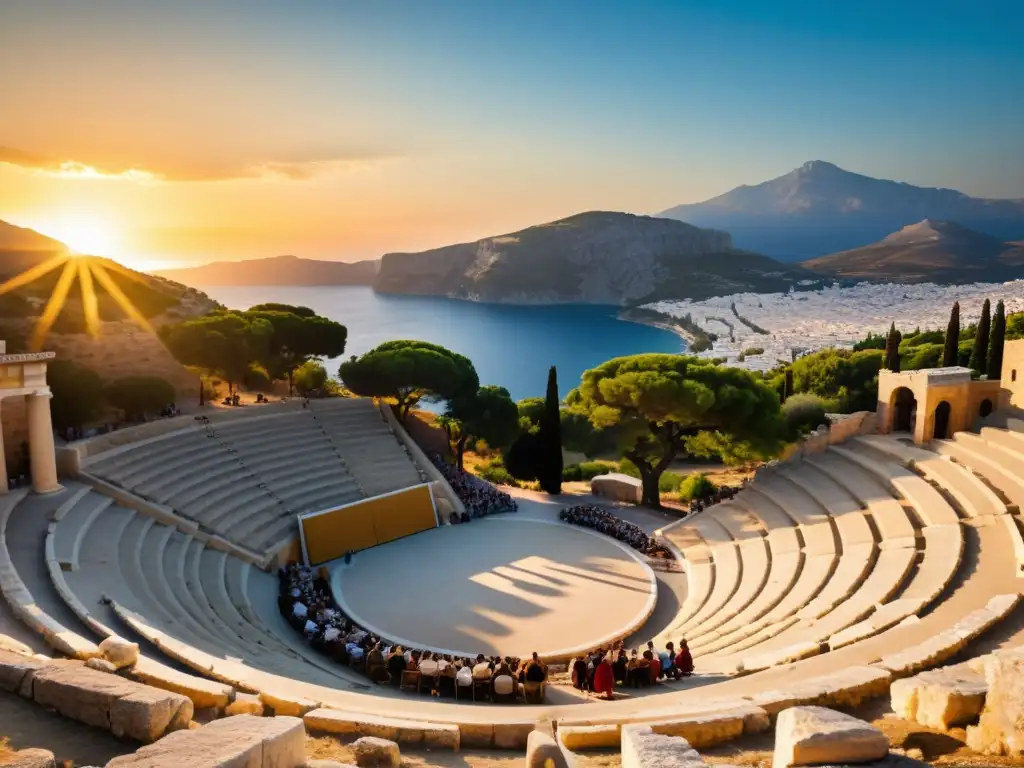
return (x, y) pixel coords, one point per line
(604, 678)
(684, 659)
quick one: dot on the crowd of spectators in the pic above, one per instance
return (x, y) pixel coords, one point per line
(478, 496)
(604, 669)
(305, 600)
(721, 493)
(599, 519)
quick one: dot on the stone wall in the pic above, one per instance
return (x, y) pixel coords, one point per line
(843, 427)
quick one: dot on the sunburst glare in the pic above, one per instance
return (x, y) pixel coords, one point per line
(89, 271)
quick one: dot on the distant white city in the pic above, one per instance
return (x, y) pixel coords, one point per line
(800, 322)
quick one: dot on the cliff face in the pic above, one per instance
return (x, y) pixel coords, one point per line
(594, 258)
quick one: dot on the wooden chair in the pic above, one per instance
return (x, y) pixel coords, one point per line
(410, 680)
(533, 693)
(482, 686)
(466, 690)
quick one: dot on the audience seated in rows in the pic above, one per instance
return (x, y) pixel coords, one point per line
(599, 519)
(478, 496)
(306, 602)
(722, 493)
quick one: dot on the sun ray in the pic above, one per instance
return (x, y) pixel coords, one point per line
(34, 273)
(100, 273)
(131, 274)
(53, 306)
(90, 304)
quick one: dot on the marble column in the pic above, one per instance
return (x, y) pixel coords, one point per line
(3, 459)
(40, 444)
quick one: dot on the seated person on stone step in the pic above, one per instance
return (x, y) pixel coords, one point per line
(355, 651)
(464, 674)
(396, 663)
(482, 668)
(428, 665)
(667, 659)
(684, 659)
(376, 668)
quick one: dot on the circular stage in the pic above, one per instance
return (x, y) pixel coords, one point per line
(498, 586)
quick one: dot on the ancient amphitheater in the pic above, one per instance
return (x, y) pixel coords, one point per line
(835, 577)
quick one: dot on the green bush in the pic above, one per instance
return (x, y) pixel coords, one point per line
(139, 395)
(310, 378)
(753, 351)
(669, 482)
(494, 472)
(695, 486)
(627, 467)
(256, 378)
(77, 394)
(804, 413)
(922, 357)
(571, 473)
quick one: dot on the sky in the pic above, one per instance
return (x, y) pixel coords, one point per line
(167, 134)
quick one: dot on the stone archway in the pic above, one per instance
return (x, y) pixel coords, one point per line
(986, 408)
(902, 406)
(942, 412)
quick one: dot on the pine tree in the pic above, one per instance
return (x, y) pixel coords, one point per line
(979, 353)
(950, 352)
(549, 439)
(892, 349)
(996, 339)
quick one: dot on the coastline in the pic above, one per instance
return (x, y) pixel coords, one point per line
(668, 324)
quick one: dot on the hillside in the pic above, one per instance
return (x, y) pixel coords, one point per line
(121, 348)
(593, 258)
(276, 270)
(818, 209)
(929, 251)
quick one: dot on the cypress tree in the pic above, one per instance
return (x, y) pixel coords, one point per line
(950, 352)
(996, 339)
(979, 353)
(892, 349)
(549, 439)
(789, 385)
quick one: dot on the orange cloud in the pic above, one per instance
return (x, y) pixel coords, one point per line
(226, 168)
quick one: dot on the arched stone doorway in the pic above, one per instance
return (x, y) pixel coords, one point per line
(903, 405)
(986, 408)
(942, 411)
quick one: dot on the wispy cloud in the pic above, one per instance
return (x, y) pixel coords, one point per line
(223, 169)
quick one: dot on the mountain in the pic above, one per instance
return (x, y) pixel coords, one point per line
(819, 209)
(276, 270)
(22, 248)
(594, 258)
(929, 251)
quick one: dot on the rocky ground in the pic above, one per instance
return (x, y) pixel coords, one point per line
(24, 724)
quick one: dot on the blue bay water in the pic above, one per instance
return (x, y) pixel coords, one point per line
(511, 346)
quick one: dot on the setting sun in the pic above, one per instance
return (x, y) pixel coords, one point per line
(86, 234)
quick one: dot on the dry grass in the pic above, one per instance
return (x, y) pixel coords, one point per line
(334, 748)
(6, 750)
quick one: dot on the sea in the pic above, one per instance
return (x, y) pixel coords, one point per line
(511, 346)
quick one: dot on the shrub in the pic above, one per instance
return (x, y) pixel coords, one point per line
(310, 378)
(627, 467)
(519, 458)
(77, 394)
(494, 472)
(256, 378)
(922, 357)
(669, 482)
(139, 395)
(584, 471)
(695, 486)
(804, 413)
(753, 351)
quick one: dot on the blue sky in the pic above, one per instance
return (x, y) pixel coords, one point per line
(464, 117)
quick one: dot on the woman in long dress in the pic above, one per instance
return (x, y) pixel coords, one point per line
(604, 678)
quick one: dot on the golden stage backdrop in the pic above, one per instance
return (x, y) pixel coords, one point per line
(329, 534)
